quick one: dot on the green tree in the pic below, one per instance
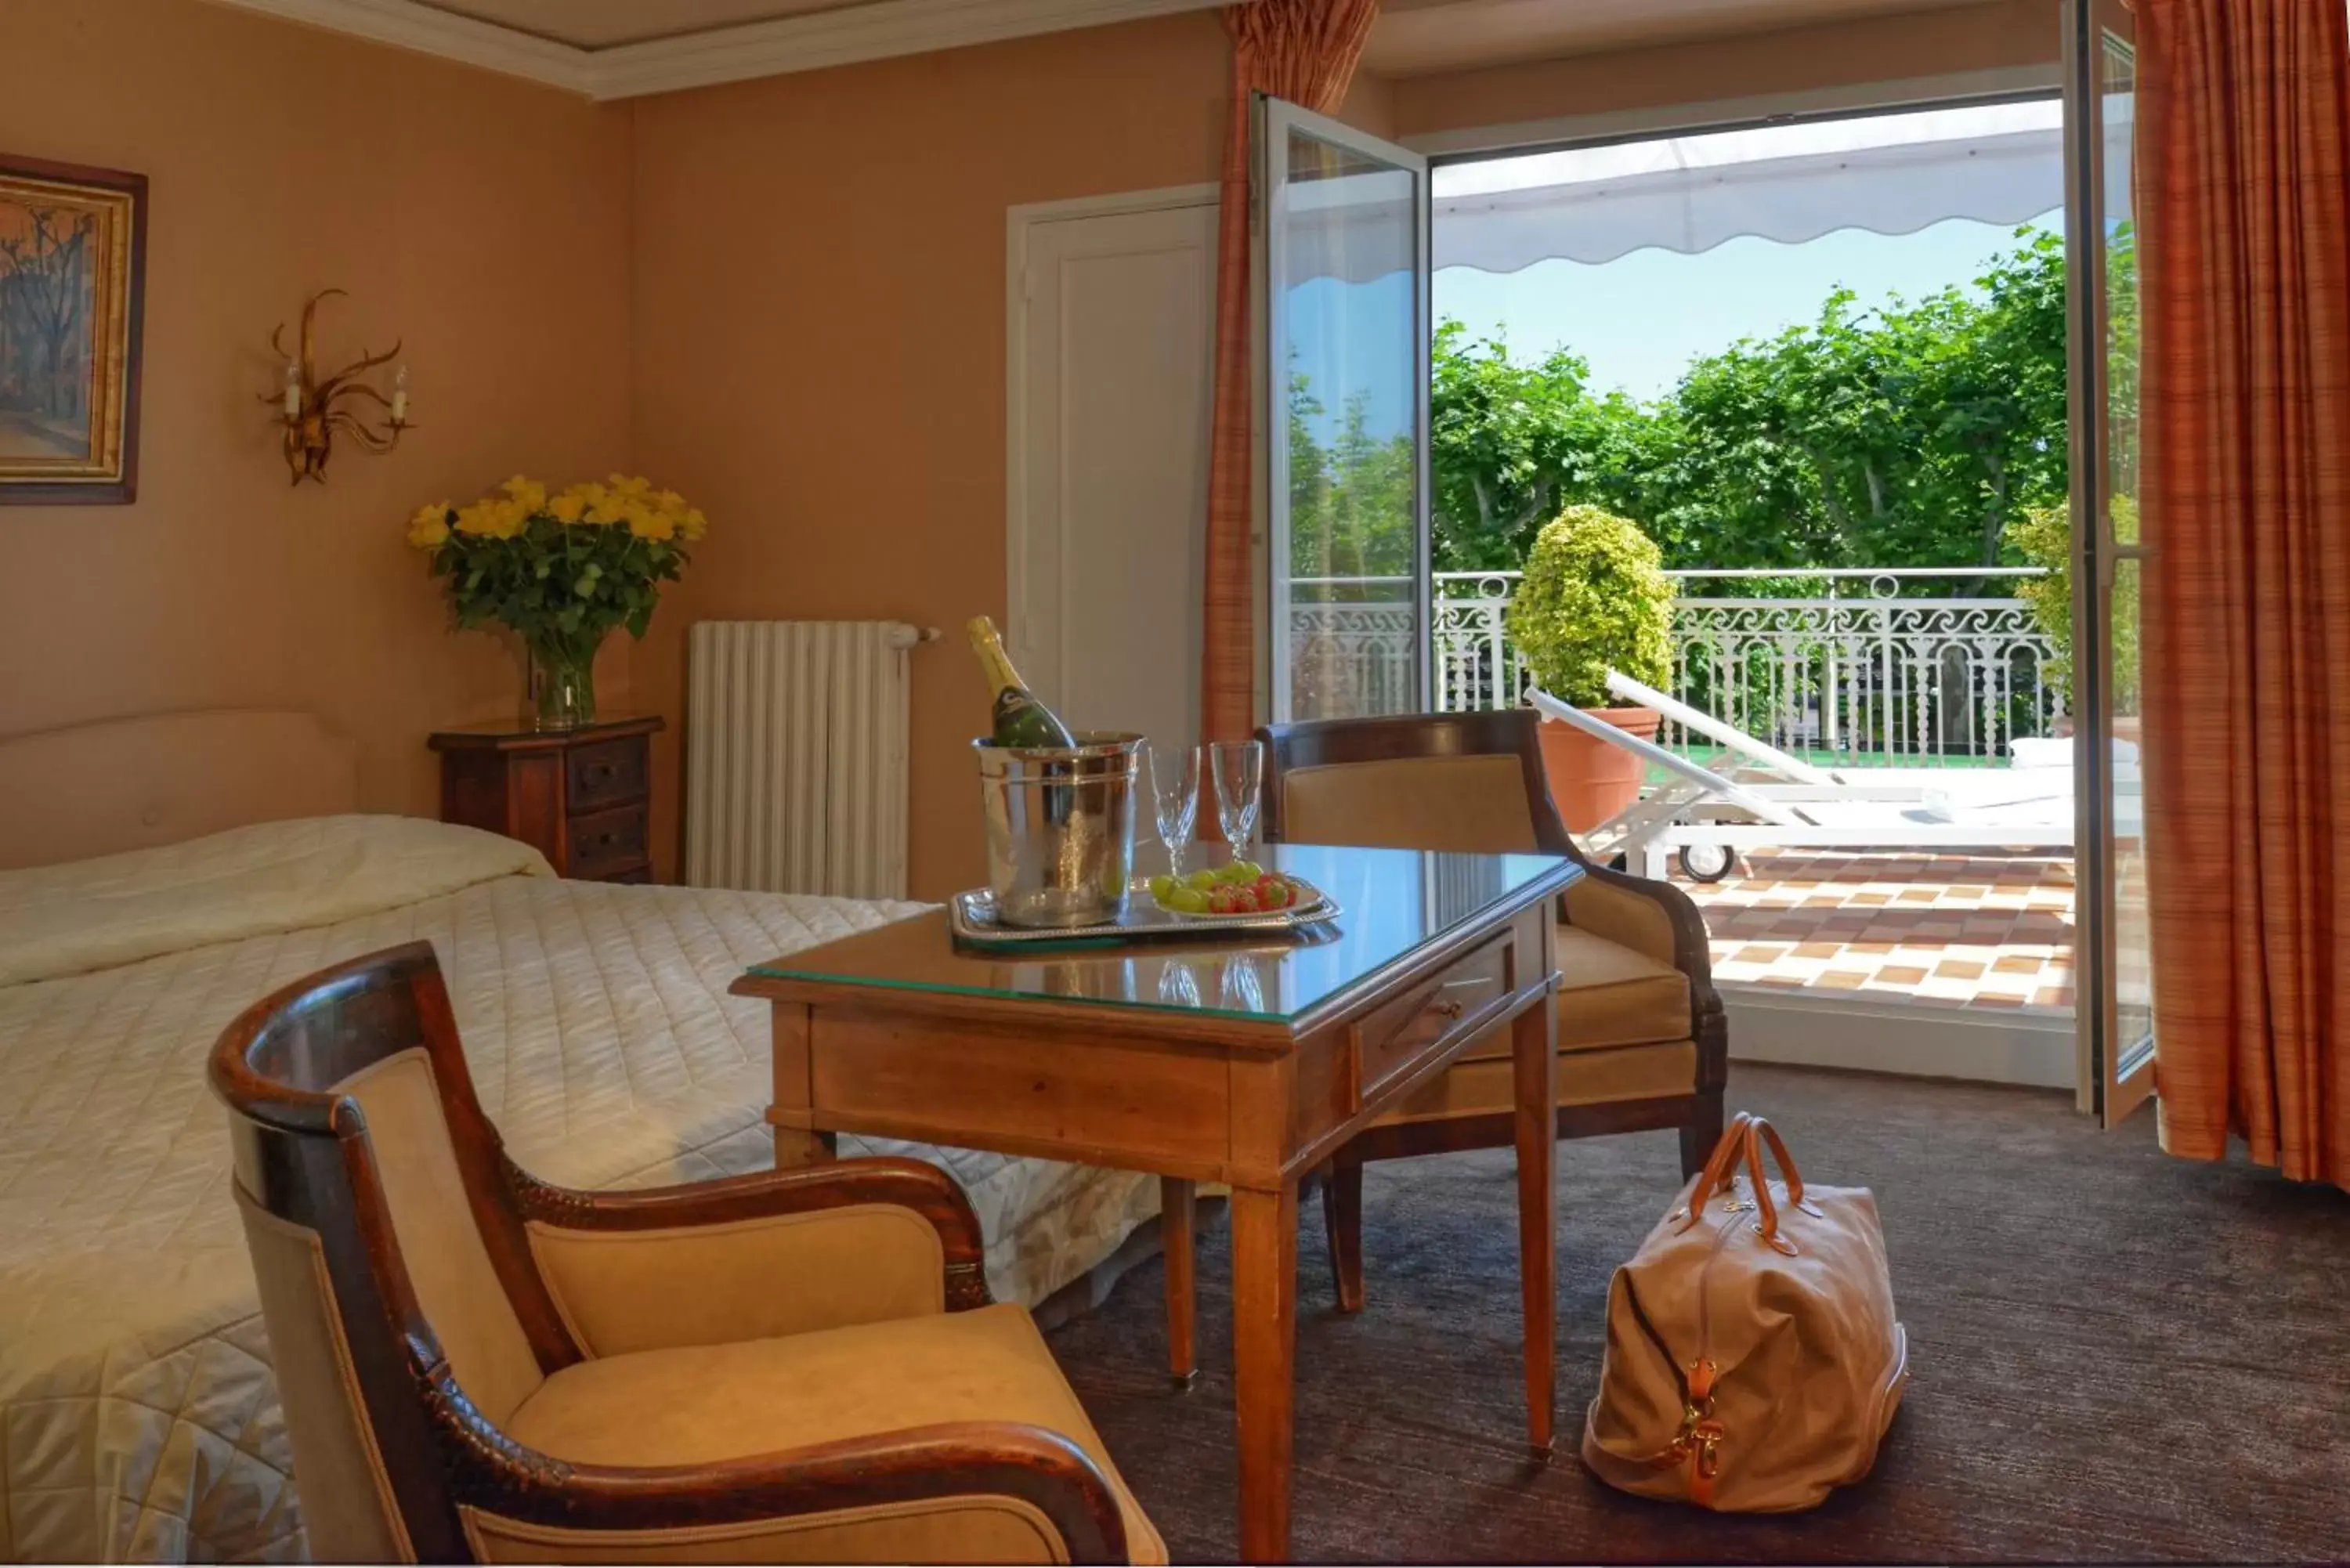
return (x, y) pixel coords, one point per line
(1909, 434)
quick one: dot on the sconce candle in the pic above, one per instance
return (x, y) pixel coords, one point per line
(311, 416)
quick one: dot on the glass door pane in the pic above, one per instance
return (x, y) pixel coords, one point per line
(2116, 1007)
(1345, 265)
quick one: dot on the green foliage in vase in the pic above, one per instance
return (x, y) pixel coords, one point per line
(1594, 598)
(560, 570)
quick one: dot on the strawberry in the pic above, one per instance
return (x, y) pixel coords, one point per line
(1273, 893)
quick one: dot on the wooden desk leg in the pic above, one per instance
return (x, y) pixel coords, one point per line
(1175, 1207)
(1533, 1051)
(1264, 1349)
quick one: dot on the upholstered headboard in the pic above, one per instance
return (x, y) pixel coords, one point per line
(131, 783)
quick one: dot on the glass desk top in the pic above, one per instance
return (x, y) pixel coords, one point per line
(1393, 903)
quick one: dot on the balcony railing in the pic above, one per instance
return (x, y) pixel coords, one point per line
(1857, 669)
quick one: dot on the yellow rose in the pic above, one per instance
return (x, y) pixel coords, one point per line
(632, 488)
(430, 527)
(529, 492)
(646, 524)
(568, 507)
(474, 518)
(606, 510)
(670, 502)
(693, 524)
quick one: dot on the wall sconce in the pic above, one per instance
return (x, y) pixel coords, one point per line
(306, 405)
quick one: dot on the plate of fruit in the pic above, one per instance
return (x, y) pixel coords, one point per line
(1243, 887)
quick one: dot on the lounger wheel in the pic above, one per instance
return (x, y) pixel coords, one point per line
(1708, 862)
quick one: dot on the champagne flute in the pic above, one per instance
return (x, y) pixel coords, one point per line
(1239, 768)
(1175, 792)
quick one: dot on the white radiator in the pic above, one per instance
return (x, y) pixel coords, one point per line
(796, 757)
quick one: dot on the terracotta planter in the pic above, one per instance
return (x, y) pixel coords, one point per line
(1591, 780)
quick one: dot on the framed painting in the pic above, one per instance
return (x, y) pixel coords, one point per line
(73, 256)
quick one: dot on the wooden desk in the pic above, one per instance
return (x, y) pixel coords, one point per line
(1226, 1063)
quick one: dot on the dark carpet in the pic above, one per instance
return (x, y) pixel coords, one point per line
(2114, 1354)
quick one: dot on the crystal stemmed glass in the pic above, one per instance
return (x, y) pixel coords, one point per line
(1239, 768)
(1175, 792)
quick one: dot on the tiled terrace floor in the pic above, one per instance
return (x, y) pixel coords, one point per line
(1959, 929)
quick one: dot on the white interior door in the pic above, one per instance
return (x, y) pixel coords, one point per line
(1113, 331)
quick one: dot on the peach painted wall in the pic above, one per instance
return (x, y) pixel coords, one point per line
(2004, 33)
(484, 219)
(820, 336)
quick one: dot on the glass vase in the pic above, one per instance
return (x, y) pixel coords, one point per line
(560, 691)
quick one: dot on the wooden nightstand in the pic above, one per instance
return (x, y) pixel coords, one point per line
(581, 798)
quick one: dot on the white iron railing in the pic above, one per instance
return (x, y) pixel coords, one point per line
(1854, 669)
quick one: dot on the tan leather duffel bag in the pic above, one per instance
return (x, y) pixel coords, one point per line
(1753, 1360)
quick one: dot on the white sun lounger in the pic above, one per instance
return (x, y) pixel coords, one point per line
(1697, 810)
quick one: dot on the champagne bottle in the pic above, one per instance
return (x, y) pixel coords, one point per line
(1020, 719)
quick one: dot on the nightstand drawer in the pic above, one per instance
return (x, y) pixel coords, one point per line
(606, 773)
(607, 843)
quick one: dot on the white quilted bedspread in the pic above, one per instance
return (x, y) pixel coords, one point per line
(137, 1418)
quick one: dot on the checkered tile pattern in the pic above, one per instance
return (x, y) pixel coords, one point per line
(1961, 929)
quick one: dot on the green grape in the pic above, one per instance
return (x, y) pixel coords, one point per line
(1203, 877)
(1186, 901)
(1160, 886)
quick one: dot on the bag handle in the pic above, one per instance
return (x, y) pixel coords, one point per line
(1717, 1169)
(1759, 1133)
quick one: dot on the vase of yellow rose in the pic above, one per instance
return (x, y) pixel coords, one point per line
(560, 570)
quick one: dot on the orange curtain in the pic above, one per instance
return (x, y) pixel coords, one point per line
(1304, 51)
(2244, 251)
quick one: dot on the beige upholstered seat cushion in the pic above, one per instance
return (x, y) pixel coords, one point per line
(1610, 995)
(701, 1404)
(1623, 1034)
(1483, 1086)
(1607, 996)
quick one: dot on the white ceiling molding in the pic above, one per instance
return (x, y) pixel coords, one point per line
(874, 31)
(877, 30)
(407, 25)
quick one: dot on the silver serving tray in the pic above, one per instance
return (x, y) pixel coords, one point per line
(971, 916)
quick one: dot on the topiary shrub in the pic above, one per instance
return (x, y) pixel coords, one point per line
(1594, 598)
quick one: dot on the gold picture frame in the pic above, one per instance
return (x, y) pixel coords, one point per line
(73, 260)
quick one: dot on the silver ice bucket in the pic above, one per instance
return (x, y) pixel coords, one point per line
(1060, 829)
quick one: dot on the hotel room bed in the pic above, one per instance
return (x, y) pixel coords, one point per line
(137, 1409)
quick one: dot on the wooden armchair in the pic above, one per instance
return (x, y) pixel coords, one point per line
(1641, 1040)
(478, 1367)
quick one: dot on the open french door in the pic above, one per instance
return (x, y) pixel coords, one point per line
(2114, 1007)
(1343, 272)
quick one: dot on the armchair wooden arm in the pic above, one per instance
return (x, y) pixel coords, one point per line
(528, 1502)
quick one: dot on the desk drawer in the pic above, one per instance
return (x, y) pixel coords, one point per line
(606, 773)
(1390, 1039)
(607, 843)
